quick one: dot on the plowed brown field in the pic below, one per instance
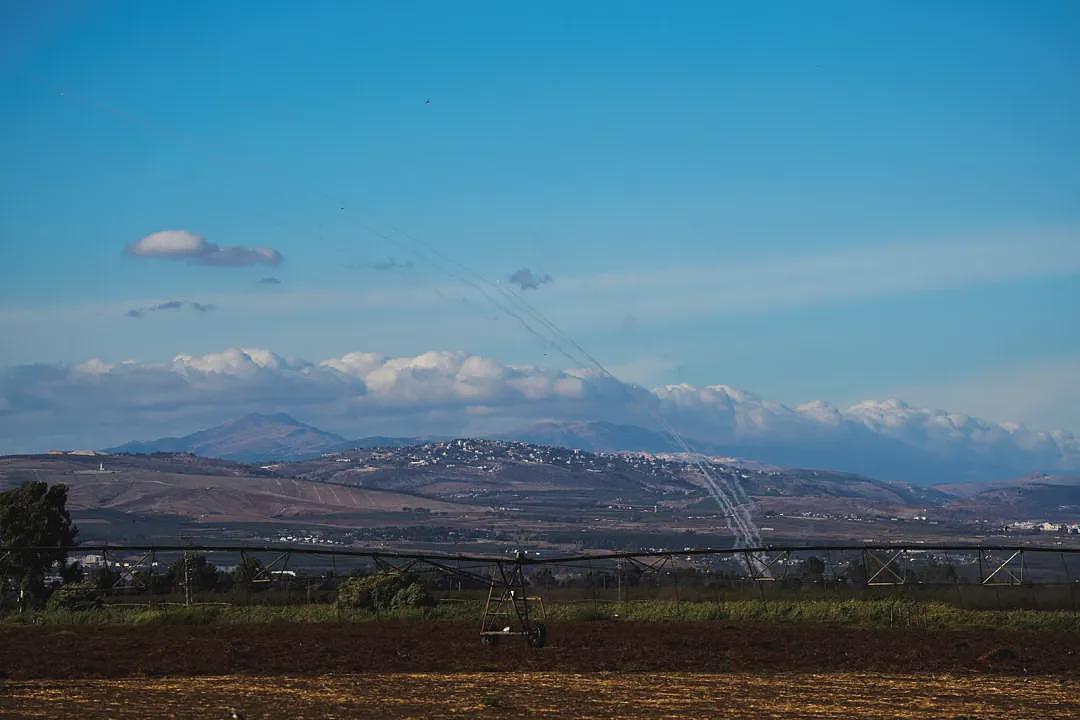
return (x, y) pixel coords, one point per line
(451, 646)
(546, 695)
(402, 669)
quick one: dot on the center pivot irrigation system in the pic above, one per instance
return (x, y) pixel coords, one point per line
(511, 611)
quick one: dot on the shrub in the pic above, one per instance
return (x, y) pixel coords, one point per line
(386, 590)
(411, 596)
(75, 596)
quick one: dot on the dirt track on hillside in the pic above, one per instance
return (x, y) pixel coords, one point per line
(448, 646)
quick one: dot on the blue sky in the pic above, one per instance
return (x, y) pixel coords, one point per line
(828, 200)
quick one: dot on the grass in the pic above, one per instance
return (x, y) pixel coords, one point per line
(868, 613)
(897, 613)
(221, 614)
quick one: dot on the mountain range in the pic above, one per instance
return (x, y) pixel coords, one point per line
(849, 448)
(456, 394)
(258, 437)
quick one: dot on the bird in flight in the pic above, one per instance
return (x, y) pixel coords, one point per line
(428, 101)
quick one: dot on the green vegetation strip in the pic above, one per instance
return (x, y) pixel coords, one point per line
(859, 613)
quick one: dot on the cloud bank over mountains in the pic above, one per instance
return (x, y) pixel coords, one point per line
(97, 404)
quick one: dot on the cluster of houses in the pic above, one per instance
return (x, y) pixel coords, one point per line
(1043, 526)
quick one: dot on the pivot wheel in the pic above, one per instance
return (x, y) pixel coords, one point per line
(538, 635)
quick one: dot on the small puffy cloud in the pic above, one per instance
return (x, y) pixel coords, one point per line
(171, 244)
(184, 245)
(269, 281)
(170, 305)
(526, 279)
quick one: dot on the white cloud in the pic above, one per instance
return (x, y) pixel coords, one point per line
(94, 366)
(98, 403)
(453, 378)
(724, 413)
(171, 244)
(185, 245)
(233, 361)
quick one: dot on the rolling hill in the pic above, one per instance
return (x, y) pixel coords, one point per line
(477, 488)
(251, 438)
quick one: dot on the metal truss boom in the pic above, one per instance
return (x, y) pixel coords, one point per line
(766, 556)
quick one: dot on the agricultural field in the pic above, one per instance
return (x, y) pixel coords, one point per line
(548, 694)
(198, 666)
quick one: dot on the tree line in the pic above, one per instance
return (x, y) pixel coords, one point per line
(34, 515)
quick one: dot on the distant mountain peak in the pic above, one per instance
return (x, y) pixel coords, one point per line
(253, 437)
(280, 417)
(591, 435)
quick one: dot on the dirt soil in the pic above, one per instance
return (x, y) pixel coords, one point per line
(546, 695)
(28, 652)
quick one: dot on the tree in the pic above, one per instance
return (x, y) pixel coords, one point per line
(151, 581)
(247, 571)
(853, 573)
(544, 578)
(33, 515)
(203, 575)
(936, 572)
(812, 569)
(72, 572)
(384, 590)
(103, 577)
